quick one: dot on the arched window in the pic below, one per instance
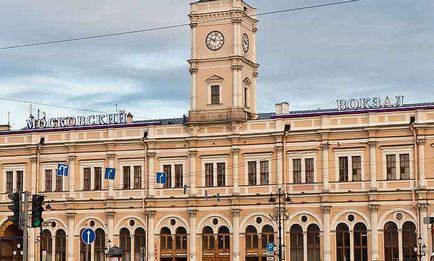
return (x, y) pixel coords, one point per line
(267, 235)
(409, 241)
(313, 243)
(139, 244)
(360, 242)
(296, 237)
(181, 239)
(99, 245)
(83, 250)
(391, 249)
(223, 238)
(208, 239)
(125, 242)
(251, 238)
(47, 244)
(165, 239)
(60, 245)
(342, 242)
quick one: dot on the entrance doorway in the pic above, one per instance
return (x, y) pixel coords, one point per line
(216, 248)
(11, 242)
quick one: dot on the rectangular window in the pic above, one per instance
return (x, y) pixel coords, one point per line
(59, 183)
(48, 180)
(309, 164)
(246, 92)
(86, 178)
(178, 176)
(9, 182)
(252, 173)
(98, 178)
(404, 166)
(221, 176)
(343, 169)
(137, 177)
(264, 171)
(168, 170)
(296, 170)
(19, 174)
(215, 94)
(209, 175)
(357, 168)
(126, 177)
(391, 166)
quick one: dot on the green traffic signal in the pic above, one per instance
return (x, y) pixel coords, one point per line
(15, 208)
(37, 210)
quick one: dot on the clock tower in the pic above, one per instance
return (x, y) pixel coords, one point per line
(223, 61)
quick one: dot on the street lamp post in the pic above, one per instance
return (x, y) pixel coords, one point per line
(280, 216)
(420, 249)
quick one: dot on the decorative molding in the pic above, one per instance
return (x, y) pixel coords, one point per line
(422, 206)
(235, 150)
(72, 158)
(214, 79)
(151, 213)
(325, 146)
(110, 214)
(372, 144)
(193, 70)
(421, 141)
(326, 209)
(70, 214)
(237, 67)
(111, 156)
(192, 213)
(247, 81)
(151, 154)
(192, 153)
(373, 208)
(236, 212)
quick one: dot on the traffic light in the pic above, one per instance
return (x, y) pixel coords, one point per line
(15, 208)
(37, 209)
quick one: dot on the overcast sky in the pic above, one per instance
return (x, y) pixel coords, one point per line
(309, 58)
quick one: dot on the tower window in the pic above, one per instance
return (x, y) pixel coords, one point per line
(215, 94)
(246, 97)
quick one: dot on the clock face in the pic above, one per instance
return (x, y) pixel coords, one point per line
(245, 43)
(215, 40)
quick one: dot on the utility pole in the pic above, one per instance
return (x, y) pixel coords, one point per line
(280, 216)
(24, 224)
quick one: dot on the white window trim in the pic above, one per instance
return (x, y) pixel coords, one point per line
(210, 93)
(172, 162)
(257, 158)
(397, 151)
(52, 167)
(214, 160)
(131, 164)
(92, 165)
(349, 154)
(14, 169)
(302, 156)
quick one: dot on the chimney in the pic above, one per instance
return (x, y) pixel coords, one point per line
(285, 108)
(282, 108)
(129, 118)
(278, 109)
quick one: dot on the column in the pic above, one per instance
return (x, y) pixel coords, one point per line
(192, 177)
(325, 166)
(279, 164)
(111, 160)
(72, 175)
(133, 246)
(71, 228)
(150, 236)
(423, 208)
(33, 185)
(32, 246)
(305, 246)
(110, 225)
(373, 209)
(193, 26)
(401, 254)
(236, 92)
(193, 72)
(192, 214)
(236, 233)
(421, 159)
(151, 173)
(373, 164)
(327, 246)
(351, 244)
(235, 176)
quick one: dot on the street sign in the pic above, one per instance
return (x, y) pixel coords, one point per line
(110, 173)
(270, 247)
(62, 170)
(88, 236)
(161, 177)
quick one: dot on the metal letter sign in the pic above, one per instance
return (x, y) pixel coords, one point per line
(161, 177)
(110, 173)
(62, 170)
(88, 236)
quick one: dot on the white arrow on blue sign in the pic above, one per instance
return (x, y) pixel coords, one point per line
(88, 236)
(62, 170)
(161, 177)
(110, 173)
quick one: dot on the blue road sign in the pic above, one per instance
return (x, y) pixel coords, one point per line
(161, 177)
(110, 173)
(270, 247)
(62, 170)
(88, 236)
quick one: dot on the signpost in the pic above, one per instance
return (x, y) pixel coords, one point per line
(270, 251)
(88, 237)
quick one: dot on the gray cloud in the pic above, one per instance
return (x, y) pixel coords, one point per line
(309, 58)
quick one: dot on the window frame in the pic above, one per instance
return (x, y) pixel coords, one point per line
(92, 165)
(349, 154)
(302, 156)
(172, 162)
(214, 160)
(397, 151)
(132, 164)
(210, 97)
(14, 169)
(258, 158)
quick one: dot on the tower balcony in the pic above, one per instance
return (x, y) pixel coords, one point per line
(218, 116)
